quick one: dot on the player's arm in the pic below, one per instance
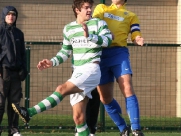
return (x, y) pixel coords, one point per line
(65, 51)
(44, 64)
(135, 31)
(104, 36)
(63, 54)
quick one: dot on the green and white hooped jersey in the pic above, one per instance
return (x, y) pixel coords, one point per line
(85, 50)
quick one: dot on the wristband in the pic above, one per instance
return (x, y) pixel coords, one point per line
(90, 37)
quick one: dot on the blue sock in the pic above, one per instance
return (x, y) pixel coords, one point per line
(114, 111)
(132, 107)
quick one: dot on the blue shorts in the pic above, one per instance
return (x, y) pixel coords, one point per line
(114, 63)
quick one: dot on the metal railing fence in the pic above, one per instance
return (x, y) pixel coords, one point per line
(156, 79)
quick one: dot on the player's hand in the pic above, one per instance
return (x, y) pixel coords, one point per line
(85, 28)
(44, 64)
(139, 40)
(112, 35)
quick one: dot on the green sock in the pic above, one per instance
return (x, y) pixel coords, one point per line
(46, 104)
(83, 130)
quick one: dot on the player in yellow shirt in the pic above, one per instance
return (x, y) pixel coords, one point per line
(115, 63)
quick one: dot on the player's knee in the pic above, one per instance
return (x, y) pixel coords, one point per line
(106, 100)
(61, 89)
(128, 92)
(78, 118)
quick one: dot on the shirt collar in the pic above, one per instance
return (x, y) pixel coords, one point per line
(121, 7)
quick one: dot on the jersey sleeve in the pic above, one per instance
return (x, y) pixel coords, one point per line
(65, 51)
(104, 35)
(135, 27)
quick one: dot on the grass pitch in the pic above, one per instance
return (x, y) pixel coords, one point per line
(98, 134)
(63, 125)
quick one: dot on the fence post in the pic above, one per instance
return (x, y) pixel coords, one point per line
(102, 110)
(27, 81)
(102, 118)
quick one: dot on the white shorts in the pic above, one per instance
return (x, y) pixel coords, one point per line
(86, 78)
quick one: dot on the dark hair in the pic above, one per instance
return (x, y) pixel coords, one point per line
(78, 4)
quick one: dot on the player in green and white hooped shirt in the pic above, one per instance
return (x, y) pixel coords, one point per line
(85, 37)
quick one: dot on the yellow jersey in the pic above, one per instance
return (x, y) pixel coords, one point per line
(120, 21)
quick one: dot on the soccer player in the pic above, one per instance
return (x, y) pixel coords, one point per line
(85, 37)
(115, 63)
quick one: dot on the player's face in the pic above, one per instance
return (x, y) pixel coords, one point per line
(86, 12)
(10, 18)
